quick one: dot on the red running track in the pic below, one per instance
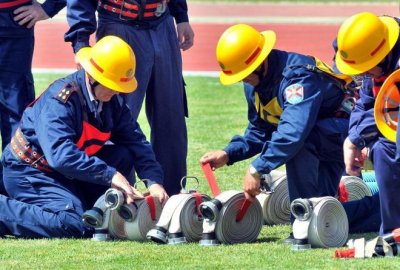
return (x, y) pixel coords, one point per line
(293, 31)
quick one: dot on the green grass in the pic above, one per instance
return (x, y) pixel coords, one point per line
(216, 113)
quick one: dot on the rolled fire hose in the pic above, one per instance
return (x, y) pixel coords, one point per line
(356, 187)
(134, 221)
(320, 223)
(221, 224)
(98, 217)
(274, 199)
(180, 220)
(370, 179)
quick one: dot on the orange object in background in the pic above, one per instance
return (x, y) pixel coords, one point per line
(386, 106)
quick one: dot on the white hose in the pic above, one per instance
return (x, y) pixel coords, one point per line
(275, 203)
(179, 221)
(356, 187)
(322, 220)
(187, 219)
(220, 219)
(140, 223)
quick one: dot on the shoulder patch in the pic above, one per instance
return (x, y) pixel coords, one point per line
(294, 93)
(64, 94)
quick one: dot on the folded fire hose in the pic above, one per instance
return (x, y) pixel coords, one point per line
(274, 198)
(355, 187)
(320, 223)
(381, 246)
(112, 218)
(229, 219)
(180, 220)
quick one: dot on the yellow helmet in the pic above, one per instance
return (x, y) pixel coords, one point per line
(364, 40)
(240, 50)
(386, 106)
(111, 62)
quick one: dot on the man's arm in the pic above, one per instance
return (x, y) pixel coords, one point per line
(81, 17)
(179, 10)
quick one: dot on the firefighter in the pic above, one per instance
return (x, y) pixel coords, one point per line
(149, 27)
(17, 20)
(58, 163)
(297, 110)
(369, 45)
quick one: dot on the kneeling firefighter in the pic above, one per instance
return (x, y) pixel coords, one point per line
(58, 162)
(298, 112)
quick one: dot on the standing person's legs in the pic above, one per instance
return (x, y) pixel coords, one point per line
(166, 107)
(16, 85)
(159, 76)
(387, 172)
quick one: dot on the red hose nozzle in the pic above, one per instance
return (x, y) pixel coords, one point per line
(346, 253)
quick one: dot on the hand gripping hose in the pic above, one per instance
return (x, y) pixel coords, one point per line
(230, 219)
(320, 222)
(355, 187)
(133, 221)
(274, 199)
(181, 220)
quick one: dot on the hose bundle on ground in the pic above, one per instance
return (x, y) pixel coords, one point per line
(180, 221)
(274, 199)
(133, 221)
(321, 221)
(229, 219)
(111, 217)
(356, 187)
(370, 179)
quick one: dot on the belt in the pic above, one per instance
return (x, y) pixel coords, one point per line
(132, 10)
(15, 3)
(22, 149)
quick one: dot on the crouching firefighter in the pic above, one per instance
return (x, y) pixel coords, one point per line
(298, 112)
(58, 162)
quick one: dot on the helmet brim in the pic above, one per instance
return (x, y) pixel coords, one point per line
(390, 89)
(270, 39)
(355, 69)
(83, 57)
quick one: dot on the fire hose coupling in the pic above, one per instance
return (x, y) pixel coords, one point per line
(210, 210)
(301, 209)
(114, 198)
(320, 223)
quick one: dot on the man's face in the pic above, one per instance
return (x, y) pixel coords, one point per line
(254, 78)
(374, 72)
(103, 93)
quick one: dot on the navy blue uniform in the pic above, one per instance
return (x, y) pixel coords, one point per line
(364, 132)
(16, 52)
(292, 121)
(49, 195)
(159, 69)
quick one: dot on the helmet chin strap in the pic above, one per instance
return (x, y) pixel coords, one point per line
(93, 86)
(260, 73)
(385, 64)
